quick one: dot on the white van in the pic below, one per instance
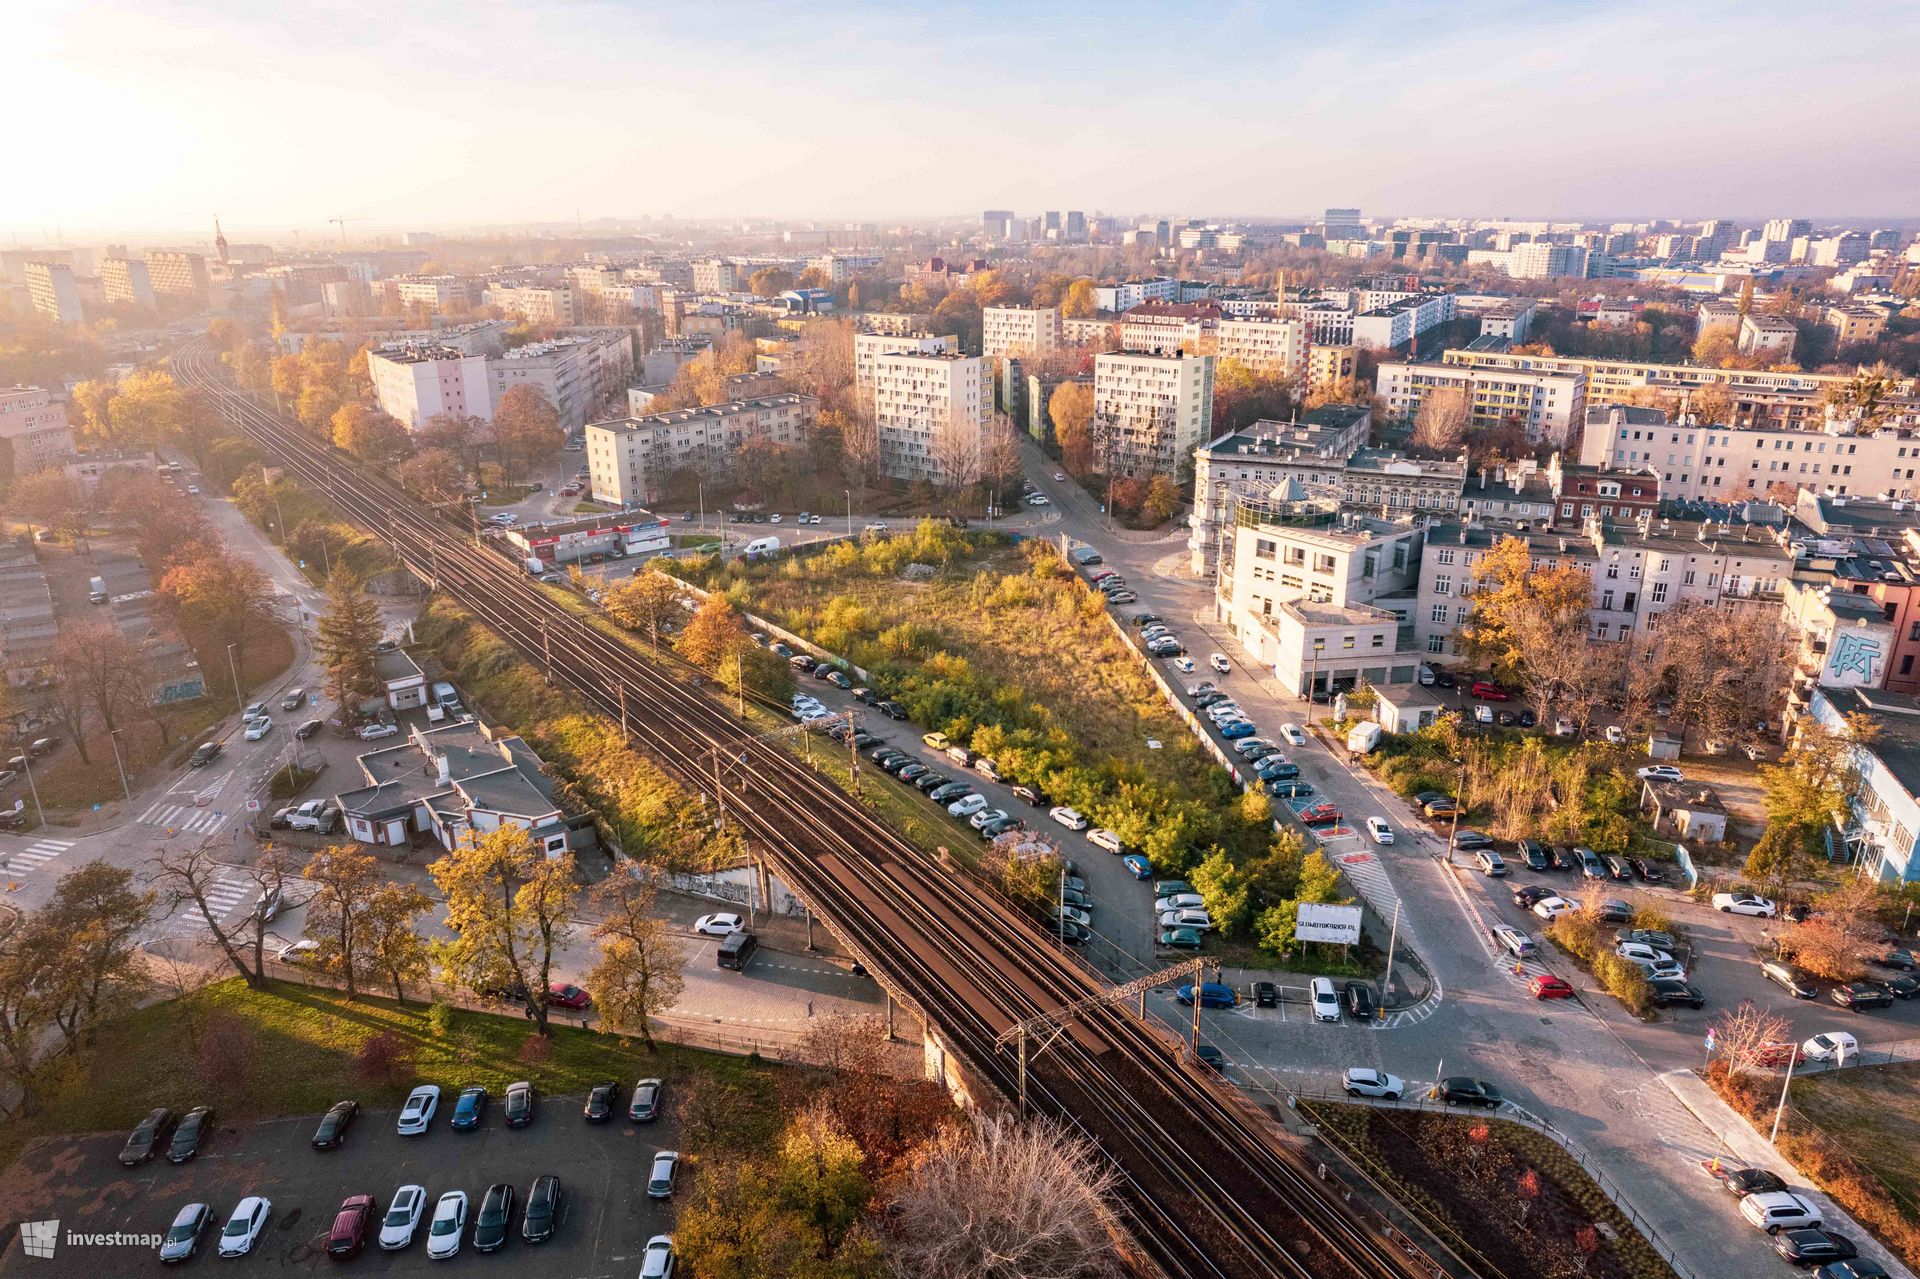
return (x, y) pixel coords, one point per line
(761, 546)
(1326, 1003)
(97, 590)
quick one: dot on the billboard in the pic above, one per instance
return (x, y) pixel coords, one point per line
(1317, 922)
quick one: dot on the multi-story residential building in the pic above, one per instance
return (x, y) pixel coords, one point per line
(1770, 336)
(576, 373)
(1311, 453)
(1725, 464)
(1546, 404)
(414, 383)
(1541, 260)
(1510, 320)
(1026, 332)
(1343, 224)
(717, 275)
(1851, 324)
(630, 460)
(177, 274)
(126, 280)
(932, 411)
(1163, 328)
(1397, 323)
(1330, 323)
(557, 305)
(1151, 411)
(441, 292)
(1882, 840)
(839, 268)
(34, 433)
(1124, 297)
(1101, 334)
(55, 292)
(1273, 347)
(1331, 367)
(1716, 313)
(869, 347)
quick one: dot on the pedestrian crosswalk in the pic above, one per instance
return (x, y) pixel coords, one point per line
(36, 854)
(186, 818)
(224, 895)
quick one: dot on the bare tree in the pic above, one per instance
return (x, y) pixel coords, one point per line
(1441, 423)
(1005, 1201)
(99, 659)
(188, 876)
(1741, 1035)
(1003, 458)
(956, 451)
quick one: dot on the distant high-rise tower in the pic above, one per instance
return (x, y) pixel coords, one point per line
(1051, 225)
(1342, 224)
(1076, 225)
(219, 240)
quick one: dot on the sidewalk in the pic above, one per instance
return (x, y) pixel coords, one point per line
(1748, 1149)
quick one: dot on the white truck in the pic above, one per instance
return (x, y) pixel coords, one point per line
(1362, 738)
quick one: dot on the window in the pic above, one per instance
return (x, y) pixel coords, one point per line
(1906, 664)
(1439, 613)
(1378, 641)
(1606, 601)
(1600, 631)
(1660, 595)
(1443, 585)
(1443, 557)
(1436, 644)
(1264, 549)
(1460, 612)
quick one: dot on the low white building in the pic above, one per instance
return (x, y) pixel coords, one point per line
(415, 383)
(629, 460)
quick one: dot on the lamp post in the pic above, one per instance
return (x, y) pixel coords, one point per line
(1460, 795)
(849, 493)
(39, 814)
(113, 737)
(233, 669)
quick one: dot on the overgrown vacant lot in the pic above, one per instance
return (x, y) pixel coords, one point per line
(1005, 651)
(1873, 1116)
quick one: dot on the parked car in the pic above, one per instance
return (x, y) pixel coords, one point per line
(1319, 815)
(1750, 1181)
(144, 1142)
(1460, 1090)
(1069, 818)
(469, 1109)
(1525, 895)
(1554, 907)
(656, 1261)
(1777, 1210)
(1513, 941)
(1361, 1081)
(418, 1111)
(449, 1224)
(1861, 995)
(350, 1223)
(1547, 986)
(1492, 865)
(718, 925)
(495, 1218)
(1266, 995)
(600, 1102)
(1813, 1247)
(660, 1181)
(1830, 1045)
(332, 1132)
(1358, 999)
(1744, 904)
(1326, 1002)
(1668, 991)
(545, 1205)
(1181, 938)
(244, 1226)
(1789, 979)
(1661, 773)
(1139, 865)
(1213, 994)
(518, 1112)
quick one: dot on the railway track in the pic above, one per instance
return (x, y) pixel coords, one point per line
(1203, 1189)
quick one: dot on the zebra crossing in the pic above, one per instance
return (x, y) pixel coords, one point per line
(224, 895)
(186, 818)
(36, 854)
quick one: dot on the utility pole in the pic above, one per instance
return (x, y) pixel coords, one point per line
(546, 648)
(234, 670)
(39, 814)
(1386, 981)
(620, 688)
(1793, 1055)
(1199, 974)
(114, 737)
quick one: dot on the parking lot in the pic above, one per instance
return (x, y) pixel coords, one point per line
(603, 1169)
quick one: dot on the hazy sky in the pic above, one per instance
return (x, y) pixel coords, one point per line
(161, 113)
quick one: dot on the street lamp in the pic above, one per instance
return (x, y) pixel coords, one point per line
(39, 814)
(233, 669)
(1459, 798)
(849, 493)
(113, 736)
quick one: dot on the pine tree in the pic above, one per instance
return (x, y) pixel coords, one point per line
(346, 639)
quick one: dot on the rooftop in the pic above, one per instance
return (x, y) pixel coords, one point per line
(1691, 796)
(1896, 717)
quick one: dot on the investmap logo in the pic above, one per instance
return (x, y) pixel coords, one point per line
(37, 1238)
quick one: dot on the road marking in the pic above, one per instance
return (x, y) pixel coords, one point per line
(193, 819)
(38, 853)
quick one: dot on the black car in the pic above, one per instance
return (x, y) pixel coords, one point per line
(1460, 1090)
(144, 1142)
(1145, 619)
(781, 649)
(929, 782)
(1527, 896)
(1534, 853)
(334, 1124)
(1750, 1181)
(1266, 995)
(802, 662)
(866, 696)
(1527, 719)
(190, 1135)
(1646, 936)
(1669, 991)
(822, 669)
(1813, 1247)
(1359, 1001)
(1291, 790)
(495, 1218)
(879, 753)
(1068, 931)
(1031, 795)
(204, 754)
(999, 826)
(519, 1109)
(1895, 957)
(1468, 841)
(1212, 1058)
(307, 729)
(910, 772)
(600, 1101)
(863, 739)
(545, 1200)
(1859, 995)
(894, 710)
(1905, 986)
(1646, 870)
(1443, 679)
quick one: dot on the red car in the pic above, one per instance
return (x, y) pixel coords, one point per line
(349, 1234)
(568, 995)
(1319, 815)
(1549, 987)
(1774, 1053)
(1489, 692)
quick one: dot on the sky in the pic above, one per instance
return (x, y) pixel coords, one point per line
(159, 114)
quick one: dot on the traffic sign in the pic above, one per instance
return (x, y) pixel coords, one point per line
(253, 806)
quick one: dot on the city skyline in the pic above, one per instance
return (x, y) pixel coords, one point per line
(862, 112)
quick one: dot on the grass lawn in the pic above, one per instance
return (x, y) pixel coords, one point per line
(299, 1046)
(1873, 1116)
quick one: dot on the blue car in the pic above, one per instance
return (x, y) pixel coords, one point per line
(1139, 865)
(1213, 994)
(1279, 772)
(470, 1109)
(1239, 728)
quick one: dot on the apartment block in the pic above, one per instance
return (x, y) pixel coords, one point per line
(1546, 404)
(126, 280)
(415, 383)
(1025, 332)
(718, 275)
(1167, 328)
(629, 461)
(537, 304)
(1510, 321)
(1271, 346)
(576, 373)
(55, 292)
(932, 411)
(441, 292)
(1771, 336)
(33, 430)
(839, 268)
(1331, 366)
(1397, 323)
(1152, 410)
(1124, 297)
(1852, 324)
(869, 347)
(1716, 313)
(177, 274)
(1539, 260)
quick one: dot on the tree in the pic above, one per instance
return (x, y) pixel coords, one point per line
(147, 410)
(460, 434)
(93, 921)
(432, 475)
(639, 973)
(368, 434)
(819, 1178)
(1005, 1201)
(716, 637)
(1525, 622)
(1163, 499)
(1781, 856)
(1078, 303)
(510, 906)
(98, 659)
(1071, 409)
(393, 948)
(526, 426)
(188, 876)
(649, 602)
(770, 281)
(345, 640)
(94, 402)
(1714, 347)
(55, 501)
(221, 599)
(1867, 396)
(199, 425)
(345, 881)
(1441, 423)
(1228, 895)
(1002, 459)
(1817, 777)
(956, 450)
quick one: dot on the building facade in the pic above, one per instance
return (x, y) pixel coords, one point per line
(182, 275)
(33, 430)
(576, 373)
(415, 383)
(1151, 411)
(630, 460)
(1025, 332)
(1768, 336)
(869, 347)
(1276, 348)
(1548, 405)
(556, 305)
(932, 411)
(55, 292)
(126, 280)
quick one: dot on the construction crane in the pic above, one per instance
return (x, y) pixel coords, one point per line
(341, 222)
(1056, 1021)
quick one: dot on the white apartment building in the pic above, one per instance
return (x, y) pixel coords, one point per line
(1539, 260)
(1716, 313)
(630, 460)
(1399, 322)
(55, 292)
(33, 427)
(1509, 320)
(576, 372)
(1547, 404)
(437, 291)
(932, 411)
(869, 347)
(1154, 410)
(1089, 332)
(842, 267)
(1328, 323)
(126, 280)
(1771, 336)
(1027, 332)
(414, 383)
(538, 304)
(1724, 463)
(1270, 346)
(717, 275)
(1124, 297)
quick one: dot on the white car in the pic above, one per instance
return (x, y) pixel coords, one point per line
(660, 1182)
(1562, 727)
(1616, 736)
(878, 526)
(1777, 1210)
(1038, 499)
(374, 732)
(721, 925)
(1293, 735)
(417, 1114)
(1180, 901)
(244, 1226)
(1830, 1045)
(1184, 665)
(1641, 953)
(1101, 837)
(1379, 830)
(657, 1261)
(259, 728)
(1059, 477)
(1220, 663)
(1361, 1082)
(1661, 773)
(1068, 817)
(1513, 941)
(1221, 711)
(448, 1224)
(967, 805)
(1554, 907)
(986, 815)
(1193, 918)
(1482, 713)
(297, 952)
(1326, 1002)
(403, 1217)
(1743, 904)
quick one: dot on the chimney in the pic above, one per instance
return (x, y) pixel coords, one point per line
(445, 775)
